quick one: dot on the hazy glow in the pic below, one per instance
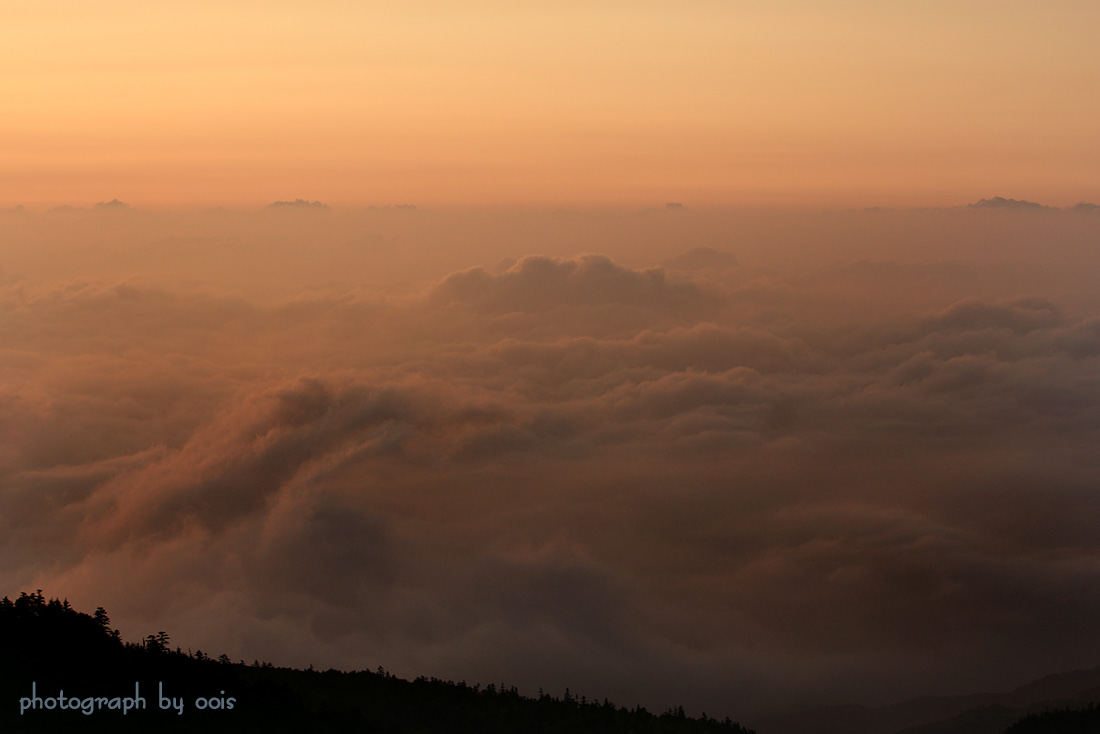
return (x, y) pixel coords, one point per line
(564, 102)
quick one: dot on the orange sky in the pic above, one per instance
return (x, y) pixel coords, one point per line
(437, 103)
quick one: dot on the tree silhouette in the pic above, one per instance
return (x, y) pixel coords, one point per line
(50, 645)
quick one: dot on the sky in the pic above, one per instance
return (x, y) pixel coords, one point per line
(643, 349)
(709, 102)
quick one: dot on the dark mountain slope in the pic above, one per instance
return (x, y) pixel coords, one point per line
(63, 670)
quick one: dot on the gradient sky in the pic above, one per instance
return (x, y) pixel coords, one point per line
(530, 431)
(434, 103)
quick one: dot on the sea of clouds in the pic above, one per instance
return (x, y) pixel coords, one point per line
(730, 460)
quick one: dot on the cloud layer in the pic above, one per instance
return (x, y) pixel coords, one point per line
(732, 487)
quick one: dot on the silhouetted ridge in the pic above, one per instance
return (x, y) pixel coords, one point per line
(50, 648)
(114, 205)
(297, 204)
(1000, 202)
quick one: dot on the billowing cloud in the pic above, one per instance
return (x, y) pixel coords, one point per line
(728, 487)
(542, 283)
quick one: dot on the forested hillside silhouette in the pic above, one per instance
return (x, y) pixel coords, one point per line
(1060, 721)
(49, 647)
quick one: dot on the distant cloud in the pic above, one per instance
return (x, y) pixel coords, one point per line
(1022, 316)
(999, 202)
(552, 285)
